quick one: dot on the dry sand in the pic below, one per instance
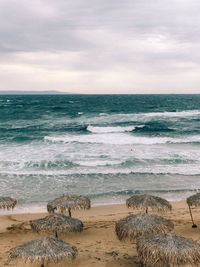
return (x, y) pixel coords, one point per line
(97, 244)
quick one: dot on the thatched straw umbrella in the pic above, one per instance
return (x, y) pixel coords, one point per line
(136, 225)
(68, 202)
(57, 223)
(193, 200)
(43, 250)
(168, 249)
(7, 203)
(148, 201)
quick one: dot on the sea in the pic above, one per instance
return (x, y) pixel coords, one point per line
(106, 147)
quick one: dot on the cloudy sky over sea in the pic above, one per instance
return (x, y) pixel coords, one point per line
(98, 46)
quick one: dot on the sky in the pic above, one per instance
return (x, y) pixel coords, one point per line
(100, 46)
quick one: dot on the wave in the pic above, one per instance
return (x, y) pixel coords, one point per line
(182, 171)
(96, 163)
(129, 192)
(105, 118)
(40, 128)
(119, 197)
(78, 165)
(107, 129)
(121, 139)
(183, 114)
(161, 161)
(152, 127)
(27, 166)
(48, 164)
(107, 123)
(132, 163)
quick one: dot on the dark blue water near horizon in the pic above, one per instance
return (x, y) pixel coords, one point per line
(103, 146)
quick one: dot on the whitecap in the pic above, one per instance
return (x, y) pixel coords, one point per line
(143, 116)
(94, 163)
(185, 113)
(183, 170)
(107, 129)
(120, 139)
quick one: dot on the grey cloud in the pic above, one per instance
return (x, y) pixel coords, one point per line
(56, 25)
(109, 34)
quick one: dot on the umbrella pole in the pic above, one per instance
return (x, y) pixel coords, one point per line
(69, 210)
(141, 264)
(193, 225)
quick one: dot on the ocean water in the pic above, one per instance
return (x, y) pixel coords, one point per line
(104, 146)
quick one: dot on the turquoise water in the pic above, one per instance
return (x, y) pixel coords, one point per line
(104, 146)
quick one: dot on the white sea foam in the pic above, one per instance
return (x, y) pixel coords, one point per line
(182, 169)
(132, 117)
(117, 129)
(95, 163)
(187, 113)
(120, 139)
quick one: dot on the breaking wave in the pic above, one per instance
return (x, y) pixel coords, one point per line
(117, 129)
(121, 139)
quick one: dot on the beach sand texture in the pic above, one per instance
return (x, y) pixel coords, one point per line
(98, 244)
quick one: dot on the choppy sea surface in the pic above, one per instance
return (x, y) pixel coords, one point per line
(104, 146)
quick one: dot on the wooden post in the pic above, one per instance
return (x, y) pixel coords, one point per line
(193, 225)
(69, 210)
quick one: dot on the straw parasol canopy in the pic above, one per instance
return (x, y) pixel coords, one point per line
(165, 249)
(43, 250)
(7, 203)
(136, 225)
(57, 223)
(193, 200)
(148, 201)
(68, 202)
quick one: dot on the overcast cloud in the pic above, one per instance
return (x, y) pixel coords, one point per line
(100, 46)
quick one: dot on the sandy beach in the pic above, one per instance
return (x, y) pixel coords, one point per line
(97, 244)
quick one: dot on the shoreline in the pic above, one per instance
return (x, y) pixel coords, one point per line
(44, 210)
(41, 208)
(97, 245)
